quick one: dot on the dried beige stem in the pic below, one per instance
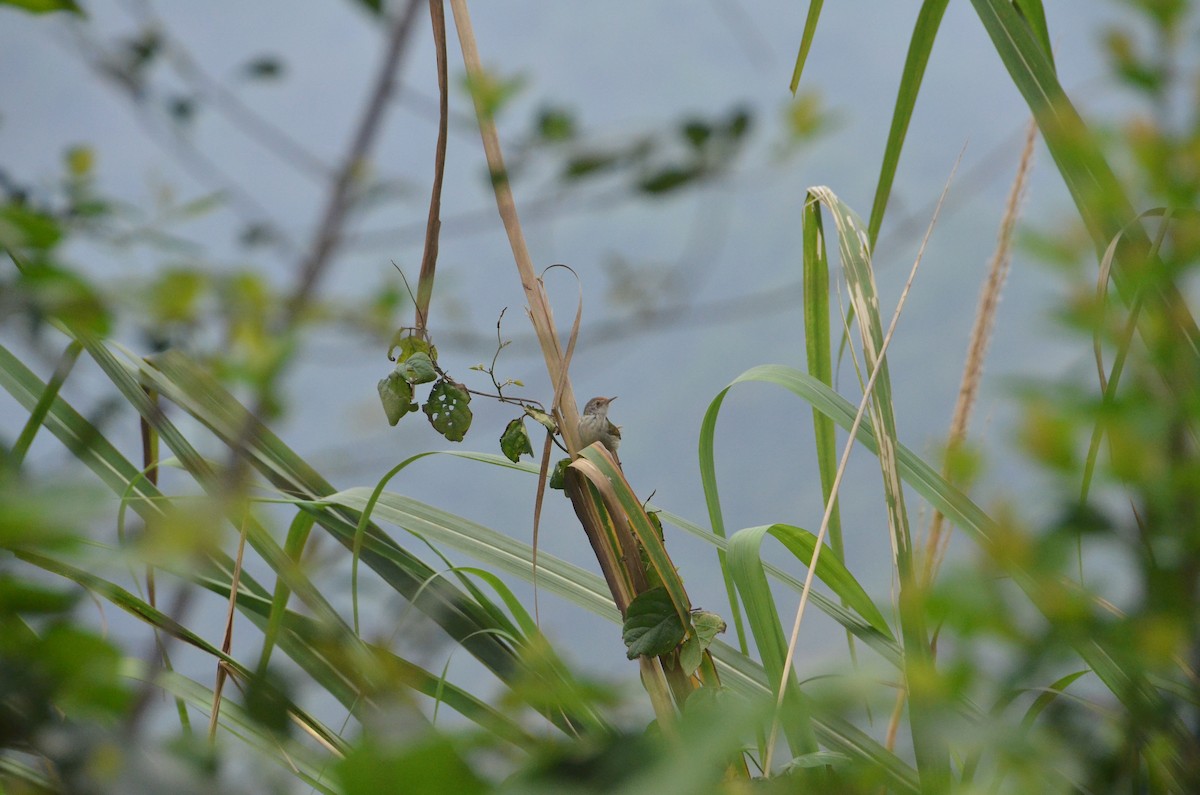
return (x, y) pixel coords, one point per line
(981, 333)
(535, 295)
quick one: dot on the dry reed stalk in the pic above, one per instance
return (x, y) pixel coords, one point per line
(985, 318)
(538, 305)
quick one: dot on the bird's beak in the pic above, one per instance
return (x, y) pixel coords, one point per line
(611, 399)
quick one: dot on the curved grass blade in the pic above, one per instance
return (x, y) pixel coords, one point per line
(482, 543)
(182, 382)
(745, 566)
(123, 478)
(746, 676)
(882, 641)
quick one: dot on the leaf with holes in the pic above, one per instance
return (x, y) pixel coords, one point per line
(515, 441)
(652, 627)
(448, 411)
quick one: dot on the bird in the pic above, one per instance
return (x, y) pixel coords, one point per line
(595, 426)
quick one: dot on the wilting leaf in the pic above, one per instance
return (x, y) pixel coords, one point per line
(558, 476)
(396, 395)
(706, 626)
(514, 441)
(543, 418)
(408, 345)
(417, 369)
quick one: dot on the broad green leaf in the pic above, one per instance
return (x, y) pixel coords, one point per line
(652, 626)
(832, 572)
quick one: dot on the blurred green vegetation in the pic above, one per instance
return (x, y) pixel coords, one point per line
(1057, 656)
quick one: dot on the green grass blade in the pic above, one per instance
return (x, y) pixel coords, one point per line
(483, 544)
(745, 566)
(38, 413)
(1035, 16)
(806, 39)
(833, 573)
(929, 744)
(299, 759)
(297, 537)
(819, 351)
(1099, 197)
(919, 47)
(182, 382)
(879, 638)
(744, 675)
(716, 519)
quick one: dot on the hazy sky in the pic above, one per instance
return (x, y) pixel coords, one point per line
(625, 69)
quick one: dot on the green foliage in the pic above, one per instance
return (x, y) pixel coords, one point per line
(652, 627)
(426, 767)
(1054, 654)
(448, 411)
(559, 473)
(706, 626)
(514, 442)
(492, 92)
(417, 369)
(44, 6)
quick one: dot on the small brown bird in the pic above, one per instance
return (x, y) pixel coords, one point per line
(595, 426)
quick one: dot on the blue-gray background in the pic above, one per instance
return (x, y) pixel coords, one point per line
(625, 68)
